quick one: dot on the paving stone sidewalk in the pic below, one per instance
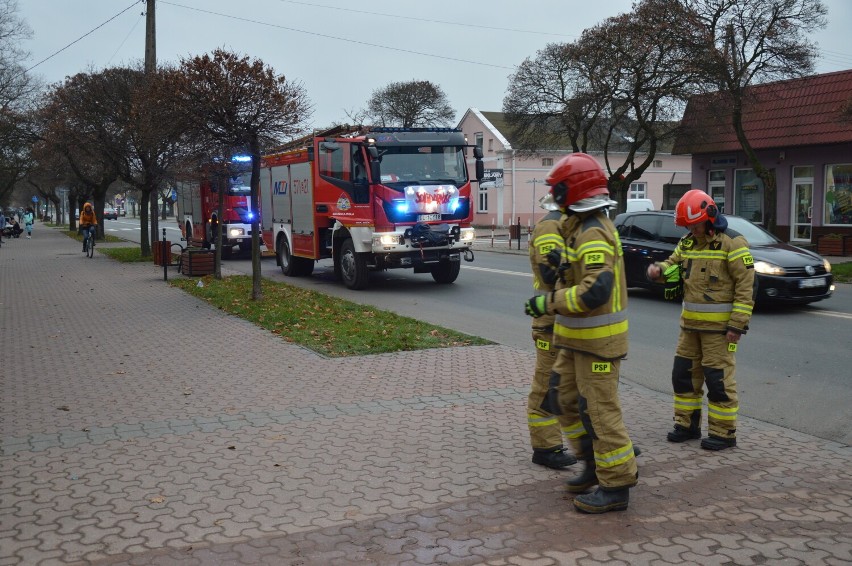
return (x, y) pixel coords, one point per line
(142, 426)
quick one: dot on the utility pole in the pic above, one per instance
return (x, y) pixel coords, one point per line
(150, 69)
(532, 210)
(150, 38)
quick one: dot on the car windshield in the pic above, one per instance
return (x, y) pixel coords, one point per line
(754, 234)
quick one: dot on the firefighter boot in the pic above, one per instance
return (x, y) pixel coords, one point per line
(556, 458)
(682, 434)
(717, 443)
(588, 477)
(603, 500)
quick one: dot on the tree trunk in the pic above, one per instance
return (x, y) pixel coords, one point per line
(144, 242)
(256, 288)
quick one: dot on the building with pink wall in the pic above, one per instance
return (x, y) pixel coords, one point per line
(515, 183)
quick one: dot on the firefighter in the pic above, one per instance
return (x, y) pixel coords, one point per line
(590, 334)
(544, 426)
(715, 270)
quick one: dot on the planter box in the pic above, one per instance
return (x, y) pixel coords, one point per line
(196, 262)
(834, 246)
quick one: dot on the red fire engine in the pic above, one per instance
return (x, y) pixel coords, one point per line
(198, 205)
(380, 199)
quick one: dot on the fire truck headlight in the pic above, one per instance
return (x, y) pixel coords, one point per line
(234, 232)
(387, 240)
(468, 234)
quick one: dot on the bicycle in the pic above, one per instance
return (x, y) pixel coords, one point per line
(88, 247)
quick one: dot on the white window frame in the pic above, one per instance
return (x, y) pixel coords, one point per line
(638, 189)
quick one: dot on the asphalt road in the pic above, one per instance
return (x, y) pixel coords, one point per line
(793, 366)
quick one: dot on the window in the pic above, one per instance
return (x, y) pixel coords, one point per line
(717, 188)
(838, 194)
(644, 227)
(478, 137)
(637, 190)
(547, 162)
(490, 144)
(657, 163)
(748, 195)
(482, 204)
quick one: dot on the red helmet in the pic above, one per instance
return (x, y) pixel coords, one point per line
(576, 177)
(694, 207)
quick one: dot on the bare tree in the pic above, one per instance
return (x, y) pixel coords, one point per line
(746, 42)
(241, 105)
(410, 104)
(620, 89)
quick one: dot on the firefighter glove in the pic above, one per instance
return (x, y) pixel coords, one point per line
(536, 306)
(673, 290)
(554, 257)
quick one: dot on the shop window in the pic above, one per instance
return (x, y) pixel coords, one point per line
(547, 162)
(748, 195)
(838, 194)
(657, 163)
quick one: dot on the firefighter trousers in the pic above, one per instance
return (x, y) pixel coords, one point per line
(587, 392)
(545, 427)
(705, 358)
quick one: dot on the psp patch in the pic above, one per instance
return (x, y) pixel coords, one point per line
(542, 344)
(601, 367)
(748, 260)
(594, 258)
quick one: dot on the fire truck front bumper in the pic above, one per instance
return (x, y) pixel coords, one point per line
(422, 249)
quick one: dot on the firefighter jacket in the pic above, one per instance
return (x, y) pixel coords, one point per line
(591, 304)
(546, 238)
(718, 281)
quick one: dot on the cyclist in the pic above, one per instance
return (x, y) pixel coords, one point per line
(88, 223)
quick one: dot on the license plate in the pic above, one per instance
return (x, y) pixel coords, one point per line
(428, 217)
(818, 282)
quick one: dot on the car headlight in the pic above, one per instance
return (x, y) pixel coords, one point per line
(827, 265)
(468, 234)
(234, 232)
(766, 268)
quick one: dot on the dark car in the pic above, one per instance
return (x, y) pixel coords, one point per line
(785, 273)
(110, 213)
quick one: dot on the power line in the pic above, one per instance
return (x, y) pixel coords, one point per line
(136, 23)
(55, 53)
(335, 37)
(423, 19)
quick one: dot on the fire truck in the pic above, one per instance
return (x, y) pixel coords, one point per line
(198, 205)
(378, 199)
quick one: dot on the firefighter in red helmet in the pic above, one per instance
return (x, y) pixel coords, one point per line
(590, 334)
(713, 271)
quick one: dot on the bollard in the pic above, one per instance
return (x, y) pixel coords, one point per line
(166, 257)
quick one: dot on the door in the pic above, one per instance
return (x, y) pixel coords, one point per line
(803, 204)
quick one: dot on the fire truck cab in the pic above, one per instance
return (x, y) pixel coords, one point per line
(381, 199)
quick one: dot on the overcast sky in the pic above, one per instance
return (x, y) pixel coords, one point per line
(340, 50)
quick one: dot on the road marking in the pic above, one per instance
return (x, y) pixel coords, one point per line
(836, 314)
(489, 270)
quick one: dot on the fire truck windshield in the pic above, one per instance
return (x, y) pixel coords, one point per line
(240, 185)
(424, 165)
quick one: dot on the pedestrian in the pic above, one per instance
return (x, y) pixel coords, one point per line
(590, 334)
(2, 225)
(715, 270)
(545, 427)
(29, 218)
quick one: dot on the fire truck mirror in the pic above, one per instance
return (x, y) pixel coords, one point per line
(477, 152)
(373, 151)
(375, 172)
(480, 170)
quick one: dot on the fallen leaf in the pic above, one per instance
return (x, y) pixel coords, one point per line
(158, 499)
(63, 408)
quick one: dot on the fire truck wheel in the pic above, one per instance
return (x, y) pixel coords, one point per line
(446, 271)
(353, 266)
(285, 259)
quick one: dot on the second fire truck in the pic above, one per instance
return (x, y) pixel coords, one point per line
(373, 200)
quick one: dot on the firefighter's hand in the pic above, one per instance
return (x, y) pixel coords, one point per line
(733, 336)
(554, 257)
(536, 306)
(653, 272)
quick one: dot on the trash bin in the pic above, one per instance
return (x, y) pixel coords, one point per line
(514, 231)
(162, 253)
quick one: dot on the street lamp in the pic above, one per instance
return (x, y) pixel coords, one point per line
(533, 181)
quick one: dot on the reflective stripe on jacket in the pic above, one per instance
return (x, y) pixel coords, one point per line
(718, 275)
(592, 313)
